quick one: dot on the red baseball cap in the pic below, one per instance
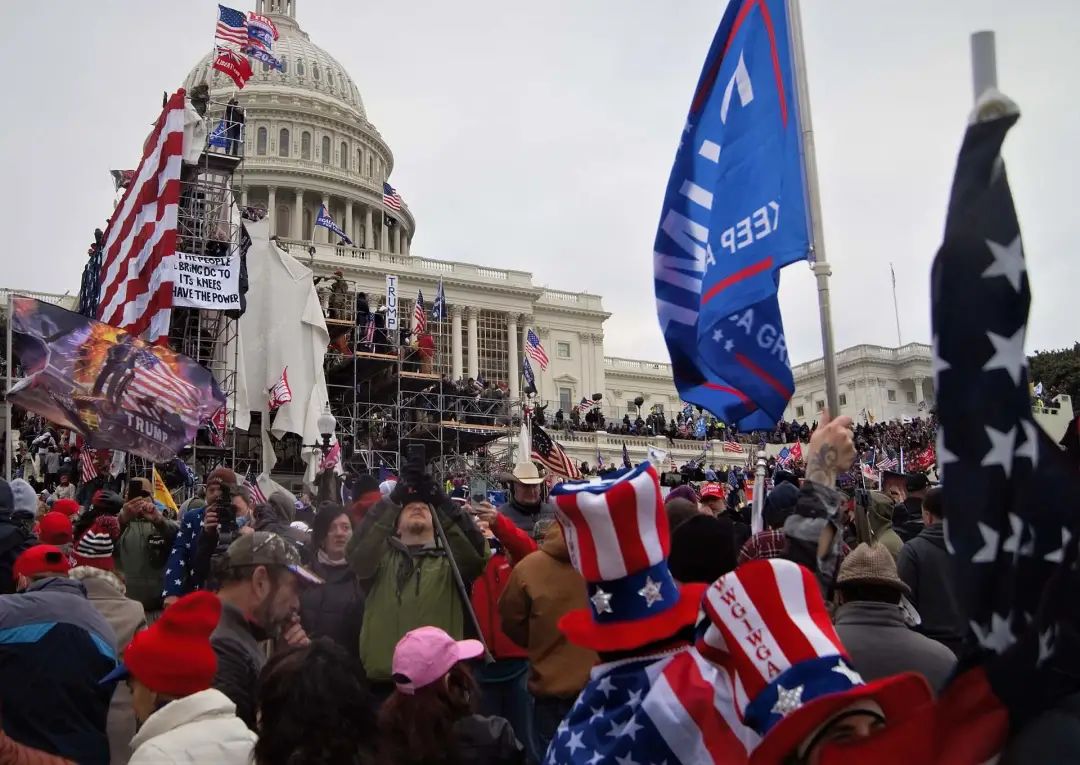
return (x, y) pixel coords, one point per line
(426, 654)
(712, 490)
(41, 559)
(66, 506)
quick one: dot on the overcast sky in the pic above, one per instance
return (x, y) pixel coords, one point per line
(539, 136)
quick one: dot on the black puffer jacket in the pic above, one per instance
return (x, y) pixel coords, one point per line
(334, 609)
(927, 568)
(487, 741)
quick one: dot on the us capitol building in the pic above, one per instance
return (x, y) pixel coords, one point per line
(308, 142)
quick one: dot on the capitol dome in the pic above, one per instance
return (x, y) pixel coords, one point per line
(308, 142)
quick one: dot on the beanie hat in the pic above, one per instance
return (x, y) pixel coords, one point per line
(173, 656)
(41, 559)
(95, 546)
(55, 529)
(221, 474)
(65, 506)
(686, 491)
(24, 500)
(702, 549)
(779, 504)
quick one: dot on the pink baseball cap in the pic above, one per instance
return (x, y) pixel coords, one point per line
(426, 654)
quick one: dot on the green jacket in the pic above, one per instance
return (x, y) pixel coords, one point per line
(141, 577)
(410, 588)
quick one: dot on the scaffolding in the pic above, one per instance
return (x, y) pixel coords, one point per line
(388, 395)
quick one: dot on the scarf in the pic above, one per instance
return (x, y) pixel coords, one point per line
(324, 559)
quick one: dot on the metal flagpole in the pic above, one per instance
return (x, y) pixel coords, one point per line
(820, 265)
(896, 306)
(9, 440)
(983, 62)
(757, 506)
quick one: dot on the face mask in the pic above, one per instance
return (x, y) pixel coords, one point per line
(241, 521)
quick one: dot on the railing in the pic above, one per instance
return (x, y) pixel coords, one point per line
(909, 352)
(582, 300)
(70, 302)
(638, 365)
(409, 263)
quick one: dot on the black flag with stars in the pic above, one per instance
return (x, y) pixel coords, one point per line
(1010, 496)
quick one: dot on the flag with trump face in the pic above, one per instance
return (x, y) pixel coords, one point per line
(734, 213)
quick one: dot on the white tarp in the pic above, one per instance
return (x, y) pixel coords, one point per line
(194, 134)
(282, 327)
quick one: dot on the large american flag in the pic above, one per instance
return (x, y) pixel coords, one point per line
(390, 197)
(136, 278)
(231, 26)
(1010, 493)
(552, 456)
(534, 350)
(733, 446)
(673, 708)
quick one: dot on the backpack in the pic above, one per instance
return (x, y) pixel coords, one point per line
(13, 540)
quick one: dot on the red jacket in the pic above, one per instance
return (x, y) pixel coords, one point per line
(489, 587)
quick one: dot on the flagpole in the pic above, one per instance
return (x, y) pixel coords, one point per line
(896, 306)
(820, 265)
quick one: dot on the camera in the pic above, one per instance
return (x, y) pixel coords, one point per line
(224, 506)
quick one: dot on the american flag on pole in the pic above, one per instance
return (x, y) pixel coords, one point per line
(87, 465)
(231, 27)
(584, 407)
(534, 350)
(136, 275)
(733, 446)
(1011, 495)
(252, 482)
(419, 316)
(549, 454)
(390, 197)
(887, 463)
(280, 392)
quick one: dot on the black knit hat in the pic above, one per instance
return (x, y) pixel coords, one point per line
(702, 549)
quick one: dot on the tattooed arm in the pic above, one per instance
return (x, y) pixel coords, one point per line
(831, 451)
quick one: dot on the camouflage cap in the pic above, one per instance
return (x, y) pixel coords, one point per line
(265, 548)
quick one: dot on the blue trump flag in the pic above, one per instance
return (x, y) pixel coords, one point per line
(219, 135)
(734, 213)
(326, 221)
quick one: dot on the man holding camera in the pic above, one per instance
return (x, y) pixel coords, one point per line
(400, 558)
(200, 537)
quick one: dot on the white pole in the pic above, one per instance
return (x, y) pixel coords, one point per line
(896, 306)
(9, 442)
(820, 265)
(983, 62)
(757, 508)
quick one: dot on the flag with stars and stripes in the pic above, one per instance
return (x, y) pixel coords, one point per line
(673, 708)
(548, 453)
(1011, 495)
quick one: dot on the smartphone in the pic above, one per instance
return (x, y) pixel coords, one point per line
(478, 489)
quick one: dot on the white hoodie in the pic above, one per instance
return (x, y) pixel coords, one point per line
(201, 728)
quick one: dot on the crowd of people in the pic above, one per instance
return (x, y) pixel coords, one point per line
(415, 627)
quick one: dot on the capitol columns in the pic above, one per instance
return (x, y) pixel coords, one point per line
(243, 197)
(472, 314)
(348, 220)
(397, 237)
(455, 339)
(514, 376)
(369, 231)
(298, 216)
(271, 207)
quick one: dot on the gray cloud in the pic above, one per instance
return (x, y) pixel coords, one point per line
(539, 137)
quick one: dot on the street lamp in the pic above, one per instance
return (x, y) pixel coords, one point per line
(327, 424)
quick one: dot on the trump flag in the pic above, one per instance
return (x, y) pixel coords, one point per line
(734, 213)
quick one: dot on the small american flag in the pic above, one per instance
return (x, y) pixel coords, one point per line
(231, 26)
(419, 316)
(87, 466)
(390, 197)
(280, 392)
(887, 463)
(257, 495)
(733, 446)
(584, 407)
(136, 278)
(534, 350)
